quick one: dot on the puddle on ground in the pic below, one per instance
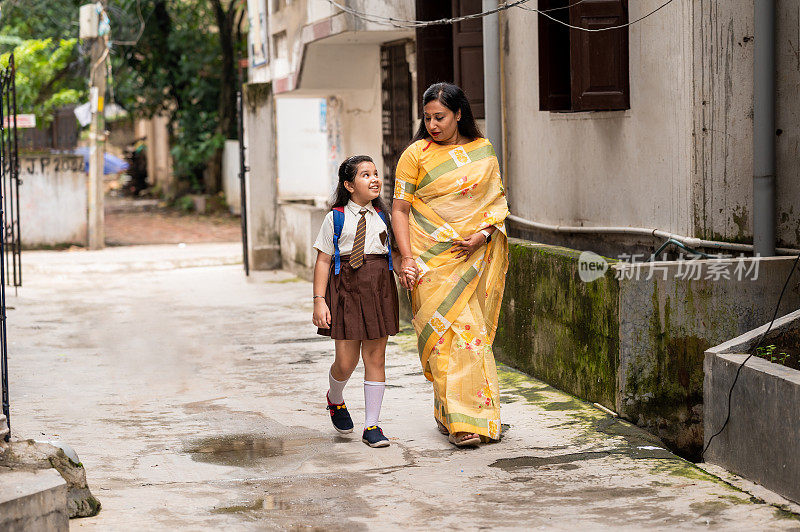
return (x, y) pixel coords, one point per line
(519, 462)
(636, 452)
(318, 338)
(262, 503)
(246, 450)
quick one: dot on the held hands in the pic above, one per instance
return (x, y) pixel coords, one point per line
(466, 247)
(408, 273)
(322, 314)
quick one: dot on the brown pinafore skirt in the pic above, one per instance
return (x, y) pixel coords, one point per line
(363, 302)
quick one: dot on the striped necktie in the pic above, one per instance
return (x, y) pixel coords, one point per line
(357, 255)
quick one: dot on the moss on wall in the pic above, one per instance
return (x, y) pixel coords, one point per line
(256, 95)
(556, 327)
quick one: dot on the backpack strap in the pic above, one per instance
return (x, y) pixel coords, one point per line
(338, 223)
(388, 243)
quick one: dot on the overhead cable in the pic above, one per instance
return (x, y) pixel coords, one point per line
(662, 6)
(406, 23)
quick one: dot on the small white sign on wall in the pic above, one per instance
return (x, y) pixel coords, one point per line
(23, 121)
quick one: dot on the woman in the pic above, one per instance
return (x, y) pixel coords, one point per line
(448, 221)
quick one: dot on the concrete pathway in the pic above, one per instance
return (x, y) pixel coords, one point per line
(195, 400)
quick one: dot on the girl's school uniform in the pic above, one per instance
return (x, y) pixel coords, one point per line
(363, 301)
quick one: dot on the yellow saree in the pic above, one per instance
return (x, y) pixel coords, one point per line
(455, 191)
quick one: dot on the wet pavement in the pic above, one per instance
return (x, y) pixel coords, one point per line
(195, 400)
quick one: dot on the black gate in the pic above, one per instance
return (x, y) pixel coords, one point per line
(10, 245)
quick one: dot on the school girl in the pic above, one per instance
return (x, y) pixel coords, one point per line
(355, 297)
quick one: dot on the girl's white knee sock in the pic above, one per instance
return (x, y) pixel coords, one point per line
(373, 397)
(335, 390)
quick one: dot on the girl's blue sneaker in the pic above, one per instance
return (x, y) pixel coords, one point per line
(340, 417)
(373, 436)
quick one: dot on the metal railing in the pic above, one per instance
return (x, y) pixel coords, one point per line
(10, 245)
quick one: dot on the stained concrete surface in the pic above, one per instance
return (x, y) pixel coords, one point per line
(195, 399)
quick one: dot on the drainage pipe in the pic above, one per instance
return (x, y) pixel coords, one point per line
(764, 128)
(642, 231)
(491, 78)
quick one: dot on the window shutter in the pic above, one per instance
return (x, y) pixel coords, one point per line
(599, 60)
(468, 54)
(554, 62)
(434, 43)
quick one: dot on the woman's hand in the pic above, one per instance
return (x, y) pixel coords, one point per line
(322, 314)
(408, 274)
(466, 247)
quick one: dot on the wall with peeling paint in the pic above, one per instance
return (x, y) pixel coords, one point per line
(626, 168)
(788, 122)
(680, 159)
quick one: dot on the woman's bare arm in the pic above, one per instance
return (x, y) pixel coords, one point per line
(402, 236)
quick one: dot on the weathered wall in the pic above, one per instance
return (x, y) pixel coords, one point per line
(557, 328)
(787, 121)
(722, 180)
(626, 168)
(230, 176)
(760, 440)
(666, 324)
(53, 200)
(680, 159)
(303, 170)
(349, 75)
(631, 340)
(299, 227)
(159, 159)
(261, 186)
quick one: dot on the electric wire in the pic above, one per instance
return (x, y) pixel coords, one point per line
(659, 8)
(750, 355)
(406, 23)
(135, 41)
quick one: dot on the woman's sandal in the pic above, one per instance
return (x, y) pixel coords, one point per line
(469, 440)
(442, 428)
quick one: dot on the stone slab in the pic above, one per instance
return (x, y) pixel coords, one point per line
(761, 441)
(33, 500)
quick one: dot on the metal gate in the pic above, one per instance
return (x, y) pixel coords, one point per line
(10, 245)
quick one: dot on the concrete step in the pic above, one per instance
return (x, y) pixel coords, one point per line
(3, 427)
(33, 500)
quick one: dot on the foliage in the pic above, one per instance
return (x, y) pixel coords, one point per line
(772, 354)
(179, 67)
(172, 71)
(43, 80)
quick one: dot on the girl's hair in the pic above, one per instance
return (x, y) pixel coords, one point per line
(347, 172)
(452, 97)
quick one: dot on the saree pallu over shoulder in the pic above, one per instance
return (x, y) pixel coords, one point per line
(456, 192)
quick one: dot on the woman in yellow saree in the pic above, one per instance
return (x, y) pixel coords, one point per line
(448, 221)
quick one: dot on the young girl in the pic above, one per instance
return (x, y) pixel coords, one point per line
(355, 297)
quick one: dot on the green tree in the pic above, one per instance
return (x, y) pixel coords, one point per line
(44, 76)
(182, 65)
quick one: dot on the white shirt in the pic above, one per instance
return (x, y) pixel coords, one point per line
(375, 241)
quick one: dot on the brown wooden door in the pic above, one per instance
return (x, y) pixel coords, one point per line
(599, 60)
(396, 109)
(468, 53)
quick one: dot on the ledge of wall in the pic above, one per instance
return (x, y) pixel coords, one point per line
(763, 415)
(631, 341)
(556, 327)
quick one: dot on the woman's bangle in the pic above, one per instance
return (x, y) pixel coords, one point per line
(315, 297)
(409, 257)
